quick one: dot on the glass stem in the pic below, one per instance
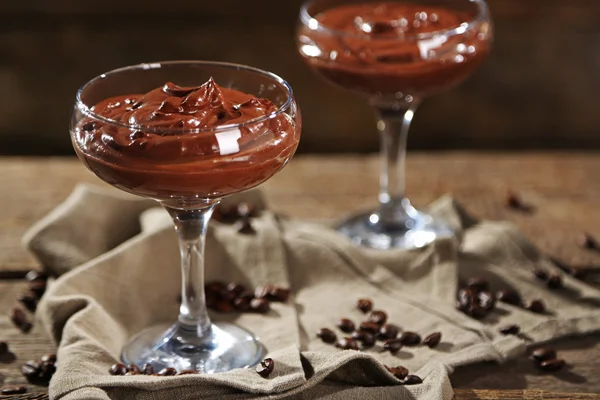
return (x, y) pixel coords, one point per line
(191, 226)
(393, 125)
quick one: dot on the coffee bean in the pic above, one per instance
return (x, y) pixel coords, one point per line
(30, 370)
(541, 274)
(167, 372)
(259, 306)
(510, 330)
(466, 298)
(486, 300)
(346, 325)
(148, 369)
(265, 367)
(188, 372)
(118, 369)
(477, 312)
(513, 200)
(236, 288)
(433, 340)
(388, 331)
(378, 317)
(543, 354)
(478, 284)
(38, 288)
(3, 348)
(29, 301)
(509, 297)
(46, 371)
(19, 319)
(536, 306)
(242, 304)
(215, 287)
(410, 338)
(587, 241)
(326, 335)
(392, 345)
(364, 305)
(35, 276)
(347, 343)
(51, 358)
(367, 339)
(133, 369)
(244, 226)
(552, 365)
(555, 281)
(412, 380)
(399, 372)
(223, 306)
(11, 390)
(368, 326)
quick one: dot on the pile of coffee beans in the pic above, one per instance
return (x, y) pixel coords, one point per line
(376, 327)
(40, 372)
(234, 296)
(120, 369)
(545, 360)
(476, 300)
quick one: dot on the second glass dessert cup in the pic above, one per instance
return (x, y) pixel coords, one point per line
(394, 52)
(160, 152)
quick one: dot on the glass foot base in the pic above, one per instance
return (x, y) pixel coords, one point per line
(408, 228)
(226, 347)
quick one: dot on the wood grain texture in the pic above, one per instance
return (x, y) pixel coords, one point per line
(562, 187)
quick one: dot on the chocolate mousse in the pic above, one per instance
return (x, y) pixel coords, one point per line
(175, 142)
(391, 48)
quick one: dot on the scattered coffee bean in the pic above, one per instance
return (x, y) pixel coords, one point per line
(466, 298)
(541, 274)
(346, 325)
(38, 288)
(543, 354)
(35, 276)
(11, 390)
(536, 306)
(378, 317)
(265, 367)
(236, 288)
(19, 319)
(364, 305)
(188, 372)
(433, 340)
(3, 348)
(399, 372)
(242, 304)
(486, 300)
(347, 343)
(555, 281)
(244, 226)
(370, 327)
(367, 339)
(148, 369)
(412, 380)
(514, 201)
(259, 306)
(552, 365)
(478, 284)
(167, 372)
(392, 345)
(118, 369)
(133, 369)
(29, 301)
(510, 330)
(327, 335)
(30, 370)
(51, 358)
(388, 331)
(587, 241)
(509, 297)
(410, 338)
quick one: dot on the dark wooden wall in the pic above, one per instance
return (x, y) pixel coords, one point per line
(537, 90)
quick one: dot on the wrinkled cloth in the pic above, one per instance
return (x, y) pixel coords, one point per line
(117, 262)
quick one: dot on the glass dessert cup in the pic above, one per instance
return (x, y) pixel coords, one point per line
(188, 170)
(395, 53)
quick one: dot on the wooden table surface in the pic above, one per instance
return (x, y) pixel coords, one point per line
(564, 189)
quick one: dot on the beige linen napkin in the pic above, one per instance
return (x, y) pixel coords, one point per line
(119, 282)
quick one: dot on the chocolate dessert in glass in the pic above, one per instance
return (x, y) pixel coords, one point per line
(187, 134)
(394, 53)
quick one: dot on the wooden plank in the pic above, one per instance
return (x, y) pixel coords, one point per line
(465, 394)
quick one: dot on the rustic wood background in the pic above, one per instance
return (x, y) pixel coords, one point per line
(537, 90)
